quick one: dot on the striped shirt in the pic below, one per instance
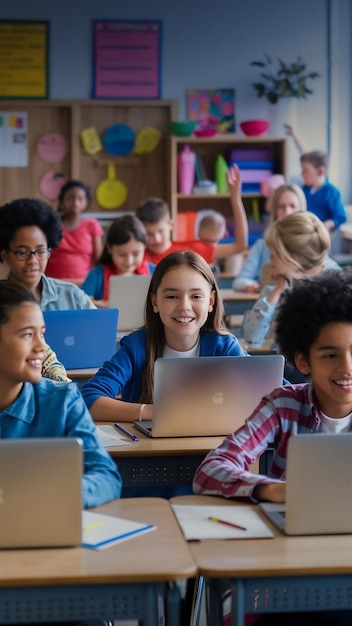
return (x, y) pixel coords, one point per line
(280, 415)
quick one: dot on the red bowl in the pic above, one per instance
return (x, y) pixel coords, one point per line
(253, 128)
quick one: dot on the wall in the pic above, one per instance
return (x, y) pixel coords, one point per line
(211, 44)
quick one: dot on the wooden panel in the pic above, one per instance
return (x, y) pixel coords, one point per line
(145, 177)
(43, 118)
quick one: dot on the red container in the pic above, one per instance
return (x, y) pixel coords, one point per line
(254, 128)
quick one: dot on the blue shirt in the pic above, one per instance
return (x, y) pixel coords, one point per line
(50, 409)
(325, 202)
(59, 295)
(123, 373)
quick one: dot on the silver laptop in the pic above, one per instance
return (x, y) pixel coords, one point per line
(318, 488)
(129, 294)
(40, 492)
(209, 396)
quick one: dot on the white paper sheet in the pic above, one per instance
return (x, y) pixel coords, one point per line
(196, 525)
(109, 437)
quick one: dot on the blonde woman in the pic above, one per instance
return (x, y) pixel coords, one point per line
(298, 245)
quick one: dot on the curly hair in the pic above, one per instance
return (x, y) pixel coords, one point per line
(307, 306)
(29, 212)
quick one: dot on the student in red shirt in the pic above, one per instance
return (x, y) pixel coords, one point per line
(82, 241)
(154, 213)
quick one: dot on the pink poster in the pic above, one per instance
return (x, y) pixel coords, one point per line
(126, 59)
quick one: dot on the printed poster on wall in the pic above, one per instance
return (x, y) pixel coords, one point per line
(126, 59)
(24, 59)
(212, 108)
(13, 139)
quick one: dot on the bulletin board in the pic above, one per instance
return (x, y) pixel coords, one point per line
(24, 59)
(126, 59)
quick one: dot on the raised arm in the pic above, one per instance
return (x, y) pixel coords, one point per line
(223, 250)
(298, 141)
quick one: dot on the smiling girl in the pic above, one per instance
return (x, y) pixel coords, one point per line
(183, 318)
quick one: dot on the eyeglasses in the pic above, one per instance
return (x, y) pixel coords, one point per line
(24, 255)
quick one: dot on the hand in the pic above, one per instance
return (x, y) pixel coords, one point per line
(100, 304)
(273, 492)
(234, 181)
(281, 283)
(289, 129)
(253, 288)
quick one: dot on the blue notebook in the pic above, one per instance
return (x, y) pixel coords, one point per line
(82, 338)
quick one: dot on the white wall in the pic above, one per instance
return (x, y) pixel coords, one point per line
(211, 44)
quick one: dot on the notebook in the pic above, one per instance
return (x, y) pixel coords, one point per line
(319, 486)
(40, 492)
(209, 396)
(82, 338)
(129, 294)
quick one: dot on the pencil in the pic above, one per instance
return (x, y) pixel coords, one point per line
(221, 521)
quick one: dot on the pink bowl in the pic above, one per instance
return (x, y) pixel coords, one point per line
(205, 132)
(254, 128)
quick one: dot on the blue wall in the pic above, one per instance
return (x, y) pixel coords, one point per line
(211, 44)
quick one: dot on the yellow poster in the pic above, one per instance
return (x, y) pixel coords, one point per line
(24, 59)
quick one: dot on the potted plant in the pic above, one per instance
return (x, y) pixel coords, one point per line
(283, 80)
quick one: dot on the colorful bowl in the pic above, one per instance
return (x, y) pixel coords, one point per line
(205, 132)
(182, 129)
(254, 128)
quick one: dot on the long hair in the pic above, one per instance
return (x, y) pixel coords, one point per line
(275, 199)
(154, 325)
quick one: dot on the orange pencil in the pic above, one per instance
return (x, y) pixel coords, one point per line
(221, 521)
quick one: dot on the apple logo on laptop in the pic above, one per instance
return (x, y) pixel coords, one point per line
(218, 397)
(69, 341)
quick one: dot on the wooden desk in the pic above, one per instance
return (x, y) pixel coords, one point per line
(237, 302)
(225, 280)
(160, 462)
(284, 574)
(120, 582)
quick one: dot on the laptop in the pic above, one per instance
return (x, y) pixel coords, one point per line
(209, 396)
(318, 488)
(82, 338)
(129, 294)
(40, 492)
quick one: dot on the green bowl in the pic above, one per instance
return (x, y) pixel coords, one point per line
(182, 129)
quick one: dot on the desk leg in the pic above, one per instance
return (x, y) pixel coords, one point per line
(173, 605)
(214, 592)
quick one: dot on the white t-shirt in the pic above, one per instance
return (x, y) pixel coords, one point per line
(335, 425)
(175, 354)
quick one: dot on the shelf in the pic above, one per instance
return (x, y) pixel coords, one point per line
(208, 149)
